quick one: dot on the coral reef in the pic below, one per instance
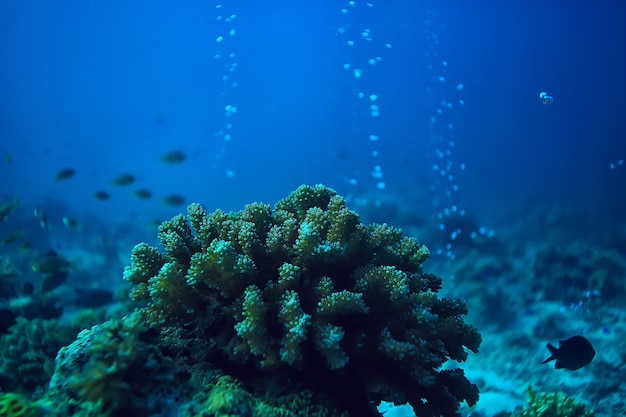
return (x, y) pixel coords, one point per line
(27, 353)
(301, 296)
(567, 273)
(15, 405)
(553, 404)
(9, 279)
(102, 370)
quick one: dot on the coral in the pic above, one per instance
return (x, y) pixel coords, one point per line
(226, 397)
(579, 267)
(9, 279)
(27, 353)
(15, 405)
(93, 369)
(553, 404)
(305, 294)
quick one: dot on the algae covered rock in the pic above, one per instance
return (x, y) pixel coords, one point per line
(303, 296)
(552, 404)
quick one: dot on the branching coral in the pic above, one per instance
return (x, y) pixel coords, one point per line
(305, 290)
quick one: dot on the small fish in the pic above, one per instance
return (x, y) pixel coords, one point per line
(572, 353)
(43, 219)
(50, 262)
(71, 223)
(25, 246)
(65, 174)
(52, 280)
(7, 319)
(124, 179)
(8, 158)
(101, 195)
(44, 223)
(8, 208)
(174, 200)
(143, 194)
(174, 157)
(12, 237)
(92, 297)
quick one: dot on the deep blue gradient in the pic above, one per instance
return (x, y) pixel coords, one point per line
(108, 87)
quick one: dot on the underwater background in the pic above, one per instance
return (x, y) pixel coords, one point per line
(425, 115)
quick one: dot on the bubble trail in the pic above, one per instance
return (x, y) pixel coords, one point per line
(226, 56)
(363, 53)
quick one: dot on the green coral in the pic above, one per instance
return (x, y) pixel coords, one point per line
(552, 404)
(305, 290)
(27, 352)
(15, 405)
(92, 374)
(226, 397)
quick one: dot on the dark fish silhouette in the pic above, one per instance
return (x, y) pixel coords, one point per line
(124, 179)
(572, 353)
(143, 194)
(101, 195)
(65, 174)
(174, 157)
(174, 200)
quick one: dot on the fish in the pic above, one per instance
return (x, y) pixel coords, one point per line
(143, 194)
(65, 174)
(124, 179)
(92, 297)
(44, 223)
(174, 200)
(572, 353)
(174, 157)
(25, 246)
(50, 262)
(8, 208)
(7, 319)
(101, 195)
(71, 223)
(43, 219)
(12, 237)
(52, 281)
(8, 158)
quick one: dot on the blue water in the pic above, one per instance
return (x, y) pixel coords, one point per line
(110, 87)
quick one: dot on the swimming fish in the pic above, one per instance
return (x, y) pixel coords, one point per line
(43, 219)
(65, 174)
(572, 353)
(8, 207)
(12, 237)
(71, 223)
(52, 280)
(174, 200)
(143, 194)
(124, 179)
(101, 195)
(174, 157)
(50, 262)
